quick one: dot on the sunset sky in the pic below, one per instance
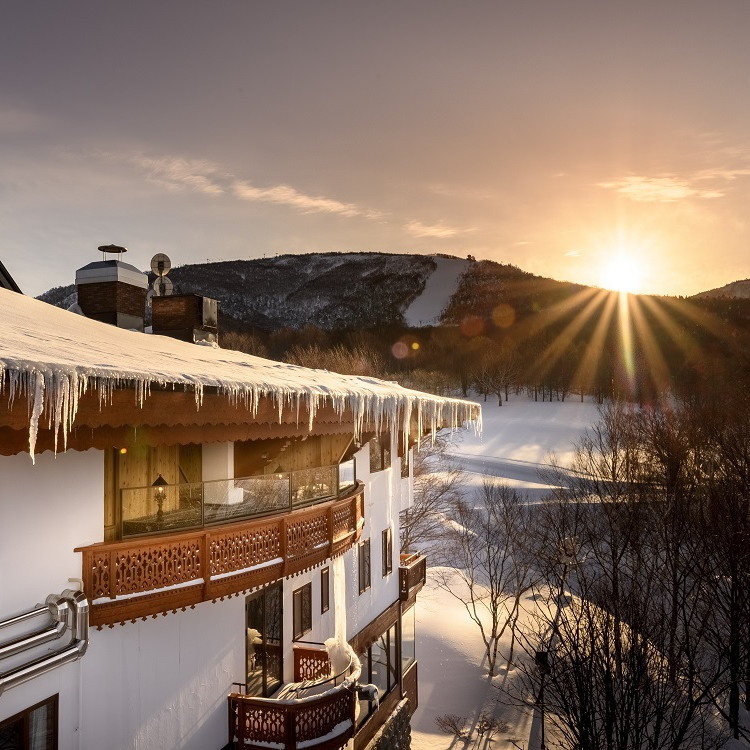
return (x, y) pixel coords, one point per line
(558, 136)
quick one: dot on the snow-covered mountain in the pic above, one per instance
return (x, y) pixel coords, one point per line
(335, 291)
(733, 290)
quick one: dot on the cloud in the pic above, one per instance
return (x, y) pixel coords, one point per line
(658, 189)
(439, 231)
(175, 173)
(286, 195)
(722, 174)
(573, 254)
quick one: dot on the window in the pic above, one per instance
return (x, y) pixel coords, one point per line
(405, 465)
(408, 630)
(325, 590)
(380, 452)
(264, 627)
(387, 552)
(404, 453)
(380, 667)
(364, 565)
(347, 474)
(302, 611)
(32, 729)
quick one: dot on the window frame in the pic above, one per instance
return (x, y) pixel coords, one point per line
(389, 644)
(408, 639)
(380, 452)
(364, 566)
(325, 590)
(387, 551)
(25, 717)
(302, 611)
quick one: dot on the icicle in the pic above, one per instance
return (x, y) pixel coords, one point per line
(36, 411)
(53, 392)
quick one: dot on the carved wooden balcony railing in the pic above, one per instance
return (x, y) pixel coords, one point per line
(412, 574)
(310, 663)
(260, 723)
(320, 715)
(150, 575)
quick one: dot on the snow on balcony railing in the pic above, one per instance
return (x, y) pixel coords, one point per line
(412, 574)
(317, 714)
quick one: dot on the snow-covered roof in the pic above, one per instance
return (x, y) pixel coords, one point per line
(52, 357)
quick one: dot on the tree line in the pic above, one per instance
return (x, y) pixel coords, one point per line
(596, 348)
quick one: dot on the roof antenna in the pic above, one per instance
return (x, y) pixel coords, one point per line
(115, 249)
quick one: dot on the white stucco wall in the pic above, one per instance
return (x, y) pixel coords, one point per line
(217, 461)
(163, 683)
(382, 501)
(46, 510)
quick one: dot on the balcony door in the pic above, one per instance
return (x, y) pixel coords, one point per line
(264, 616)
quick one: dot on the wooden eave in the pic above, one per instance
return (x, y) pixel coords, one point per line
(167, 417)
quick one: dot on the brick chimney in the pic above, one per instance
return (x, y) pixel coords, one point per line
(188, 317)
(113, 292)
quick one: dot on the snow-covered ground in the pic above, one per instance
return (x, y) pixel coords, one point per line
(440, 286)
(527, 431)
(517, 440)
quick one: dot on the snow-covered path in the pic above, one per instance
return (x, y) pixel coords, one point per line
(526, 473)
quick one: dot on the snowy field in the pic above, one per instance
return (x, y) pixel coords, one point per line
(518, 440)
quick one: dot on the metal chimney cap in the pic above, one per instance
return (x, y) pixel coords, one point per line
(112, 249)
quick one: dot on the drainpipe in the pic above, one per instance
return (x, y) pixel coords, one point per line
(77, 620)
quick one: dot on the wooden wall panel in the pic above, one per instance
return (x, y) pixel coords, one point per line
(191, 463)
(111, 496)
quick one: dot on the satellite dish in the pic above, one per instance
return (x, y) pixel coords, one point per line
(160, 264)
(162, 286)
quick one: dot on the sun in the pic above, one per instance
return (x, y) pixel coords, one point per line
(622, 273)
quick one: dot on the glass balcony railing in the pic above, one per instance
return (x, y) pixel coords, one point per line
(173, 507)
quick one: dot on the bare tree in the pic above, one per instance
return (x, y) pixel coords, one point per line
(486, 564)
(438, 485)
(635, 652)
(357, 360)
(243, 342)
(496, 372)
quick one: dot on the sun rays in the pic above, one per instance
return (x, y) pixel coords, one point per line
(615, 342)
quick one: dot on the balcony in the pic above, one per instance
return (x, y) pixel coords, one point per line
(139, 577)
(317, 711)
(412, 574)
(166, 507)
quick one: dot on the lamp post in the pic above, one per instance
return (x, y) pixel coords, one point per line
(541, 659)
(160, 495)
